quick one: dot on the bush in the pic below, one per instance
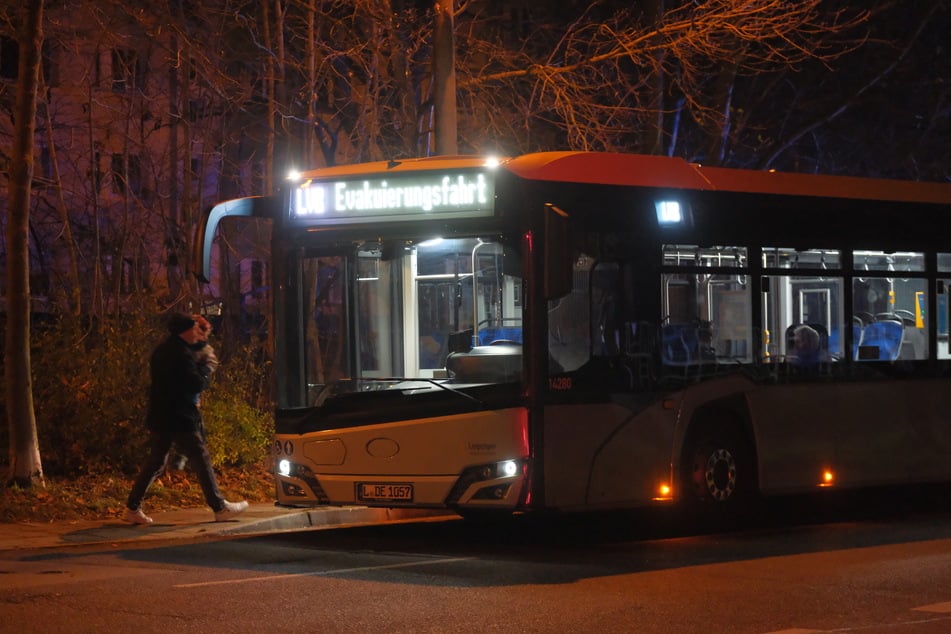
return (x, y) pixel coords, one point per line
(90, 382)
(90, 391)
(238, 432)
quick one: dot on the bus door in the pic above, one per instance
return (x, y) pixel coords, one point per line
(607, 443)
(461, 294)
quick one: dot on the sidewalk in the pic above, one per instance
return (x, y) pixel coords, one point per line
(192, 524)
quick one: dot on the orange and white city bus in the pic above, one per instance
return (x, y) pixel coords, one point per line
(581, 331)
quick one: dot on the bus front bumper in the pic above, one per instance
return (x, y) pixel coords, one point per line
(496, 485)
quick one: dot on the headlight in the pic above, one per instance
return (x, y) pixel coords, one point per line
(508, 468)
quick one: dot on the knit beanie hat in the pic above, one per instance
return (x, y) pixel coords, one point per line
(179, 323)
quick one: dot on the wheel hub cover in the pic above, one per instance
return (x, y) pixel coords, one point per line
(720, 474)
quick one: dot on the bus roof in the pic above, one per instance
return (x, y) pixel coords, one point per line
(639, 170)
(675, 173)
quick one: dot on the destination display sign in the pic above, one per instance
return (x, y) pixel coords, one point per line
(459, 194)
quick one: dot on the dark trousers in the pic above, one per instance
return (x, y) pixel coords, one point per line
(192, 445)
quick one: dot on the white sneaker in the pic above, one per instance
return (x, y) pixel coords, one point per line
(230, 511)
(136, 517)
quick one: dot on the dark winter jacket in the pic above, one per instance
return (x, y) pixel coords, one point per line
(177, 379)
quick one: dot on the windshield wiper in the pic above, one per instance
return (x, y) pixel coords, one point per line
(448, 389)
(333, 389)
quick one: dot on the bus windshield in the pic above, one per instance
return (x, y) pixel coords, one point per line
(411, 316)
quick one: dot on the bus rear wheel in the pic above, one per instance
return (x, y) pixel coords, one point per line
(719, 472)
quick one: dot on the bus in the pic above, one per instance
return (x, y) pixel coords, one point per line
(583, 331)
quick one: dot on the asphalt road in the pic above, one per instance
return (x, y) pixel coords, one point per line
(879, 562)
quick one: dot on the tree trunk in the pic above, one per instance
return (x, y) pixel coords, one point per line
(444, 80)
(26, 468)
(654, 139)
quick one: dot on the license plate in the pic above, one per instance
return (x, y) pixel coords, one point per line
(385, 492)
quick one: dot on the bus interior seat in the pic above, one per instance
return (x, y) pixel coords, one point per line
(640, 337)
(906, 316)
(640, 342)
(500, 334)
(881, 340)
(858, 326)
(915, 342)
(913, 346)
(833, 349)
(680, 344)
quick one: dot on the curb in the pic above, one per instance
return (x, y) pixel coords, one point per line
(334, 516)
(194, 524)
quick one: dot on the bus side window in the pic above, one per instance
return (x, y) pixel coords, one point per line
(892, 308)
(798, 299)
(894, 336)
(941, 290)
(941, 293)
(710, 311)
(569, 322)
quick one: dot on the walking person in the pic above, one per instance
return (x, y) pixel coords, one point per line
(180, 367)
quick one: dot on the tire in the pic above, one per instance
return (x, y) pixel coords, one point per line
(719, 471)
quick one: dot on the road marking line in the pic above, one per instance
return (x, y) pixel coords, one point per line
(941, 608)
(934, 607)
(407, 564)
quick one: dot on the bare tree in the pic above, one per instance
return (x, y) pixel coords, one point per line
(26, 467)
(824, 117)
(72, 293)
(596, 86)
